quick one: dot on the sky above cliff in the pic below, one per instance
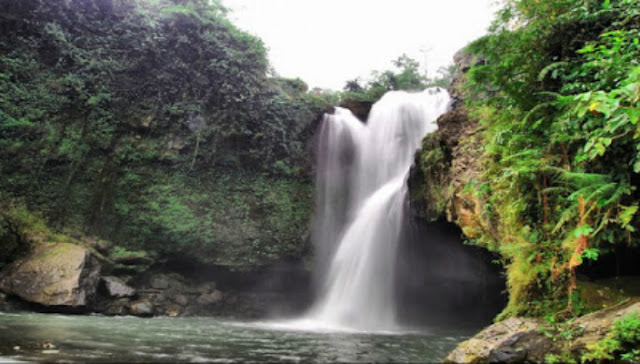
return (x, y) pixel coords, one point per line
(327, 42)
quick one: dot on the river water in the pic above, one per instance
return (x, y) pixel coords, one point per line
(77, 338)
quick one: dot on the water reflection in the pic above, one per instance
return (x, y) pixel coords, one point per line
(130, 339)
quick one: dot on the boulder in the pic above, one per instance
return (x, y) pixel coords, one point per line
(206, 287)
(210, 298)
(117, 308)
(115, 287)
(520, 340)
(173, 311)
(160, 282)
(60, 274)
(181, 299)
(359, 108)
(478, 348)
(141, 308)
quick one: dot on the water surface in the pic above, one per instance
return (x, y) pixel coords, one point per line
(205, 339)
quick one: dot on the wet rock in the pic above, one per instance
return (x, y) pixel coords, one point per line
(520, 340)
(210, 298)
(160, 282)
(117, 308)
(359, 108)
(478, 348)
(142, 308)
(181, 299)
(509, 352)
(206, 287)
(61, 274)
(115, 287)
(173, 311)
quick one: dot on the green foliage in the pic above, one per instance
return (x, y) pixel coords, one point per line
(428, 180)
(406, 75)
(557, 94)
(621, 343)
(20, 229)
(102, 100)
(232, 219)
(557, 331)
(564, 357)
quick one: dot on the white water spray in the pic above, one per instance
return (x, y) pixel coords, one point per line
(361, 192)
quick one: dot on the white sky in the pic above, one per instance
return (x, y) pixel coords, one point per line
(327, 42)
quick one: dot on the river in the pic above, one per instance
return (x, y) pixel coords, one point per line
(78, 338)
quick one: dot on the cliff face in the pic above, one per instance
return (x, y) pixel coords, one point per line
(535, 193)
(449, 162)
(154, 125)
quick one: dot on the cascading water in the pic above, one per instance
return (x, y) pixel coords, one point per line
(361, 192)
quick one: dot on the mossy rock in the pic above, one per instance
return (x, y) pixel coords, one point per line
(53, 274)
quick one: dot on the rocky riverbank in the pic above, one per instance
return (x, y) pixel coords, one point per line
(528, 340)
(72, 278)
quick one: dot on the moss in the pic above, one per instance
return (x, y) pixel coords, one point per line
(212, 164)
(605, 293)
(429, 190)
(622, 343)
(232, 219)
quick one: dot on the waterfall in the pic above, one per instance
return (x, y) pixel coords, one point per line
(360, 199)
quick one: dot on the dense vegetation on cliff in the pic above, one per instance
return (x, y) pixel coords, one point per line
(154, 124)
(556, 90)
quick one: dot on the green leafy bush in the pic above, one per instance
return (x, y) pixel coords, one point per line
(105, 103)
(556, 91)
(622, 343)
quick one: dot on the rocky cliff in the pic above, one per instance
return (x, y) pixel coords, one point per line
(154, 125)
(448, 162)
(447, 182)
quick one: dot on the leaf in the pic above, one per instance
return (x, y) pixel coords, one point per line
(551, 67)
(582, 230)
(626, 214)
(634, 114)
(591, 253)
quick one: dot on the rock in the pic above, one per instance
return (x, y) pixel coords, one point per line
(173, 311)
(210, 298)
(177, 284)
(478, 348)
(61, 274)
(508, 351)
(181, 299)
(359, 108)
(519, 340)
(206, 287)
(463, 61)
(100, 246)
(595, 324)
(231, 300)
(132, 258)
(115, 287)
(142, 308)
(160, 282)
(117, 308)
